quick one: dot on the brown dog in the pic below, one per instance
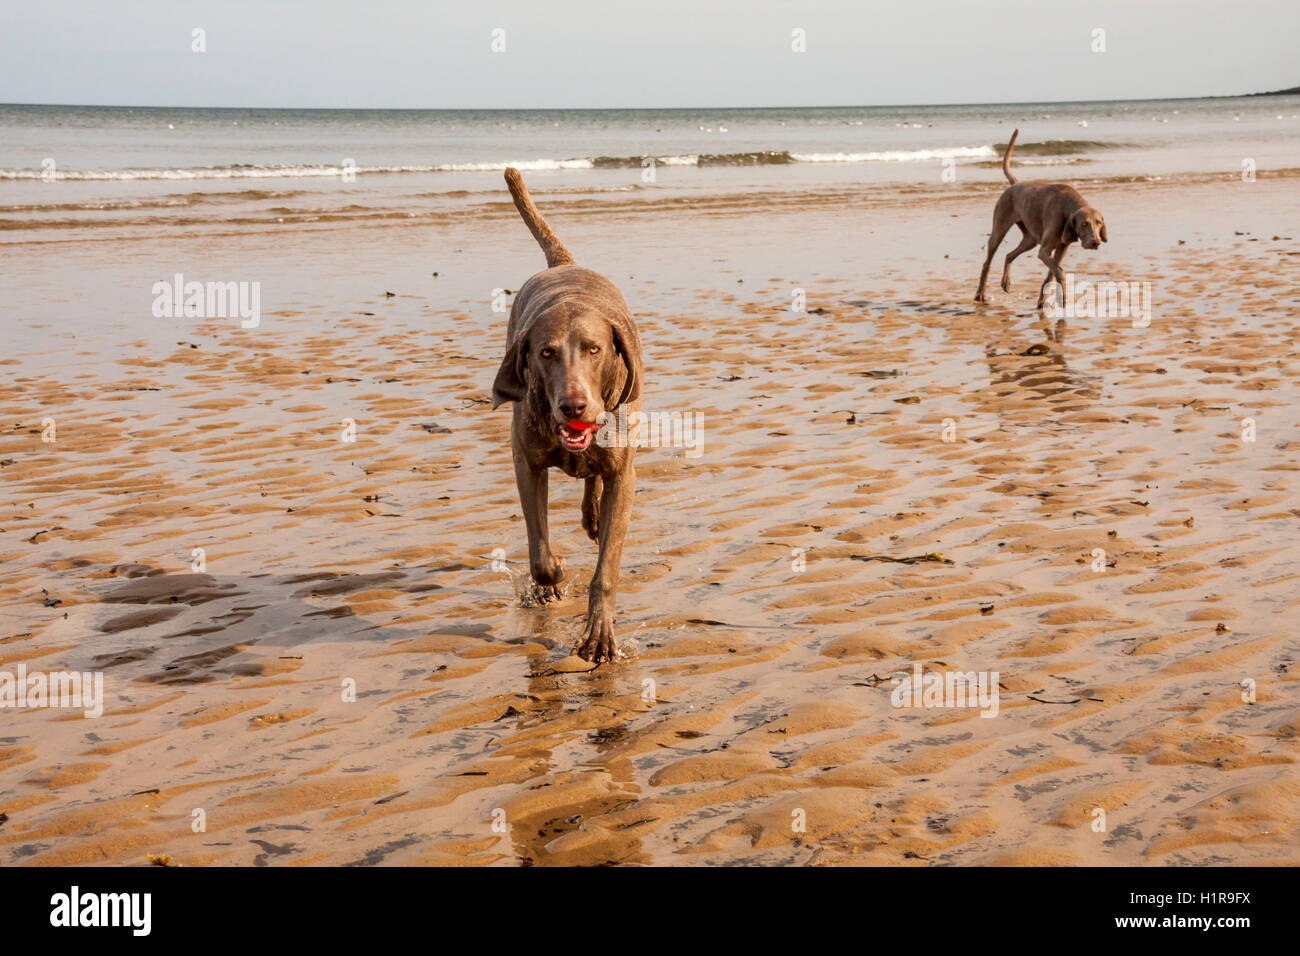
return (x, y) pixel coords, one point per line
(573, 356)
(1051, 214)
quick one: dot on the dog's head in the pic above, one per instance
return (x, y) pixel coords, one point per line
(576, 363)
(1086, 225)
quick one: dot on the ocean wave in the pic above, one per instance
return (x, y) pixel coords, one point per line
(768, 157)
(762, 157)
(523, 165)
(1060, 147)
(780, 157)
(899, 155)
(237, 171)
(1017, 161)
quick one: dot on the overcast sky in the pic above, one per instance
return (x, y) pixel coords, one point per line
(623, 53)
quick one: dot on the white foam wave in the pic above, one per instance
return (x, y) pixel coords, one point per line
(898, 155)
(326, 171)
(282, 171)
(524, 165)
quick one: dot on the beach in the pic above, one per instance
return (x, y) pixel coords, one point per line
(1099, 514)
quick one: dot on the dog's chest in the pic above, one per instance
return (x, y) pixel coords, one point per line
(594, 461)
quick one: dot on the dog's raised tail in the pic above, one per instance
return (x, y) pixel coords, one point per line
(556, 253)
(1006, 158)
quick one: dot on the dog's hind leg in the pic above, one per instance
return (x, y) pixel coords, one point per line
(591, 507)
(1001, 224)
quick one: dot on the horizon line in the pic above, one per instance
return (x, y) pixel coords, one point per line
(649, 109)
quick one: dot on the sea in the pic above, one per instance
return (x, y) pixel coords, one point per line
(72, 173)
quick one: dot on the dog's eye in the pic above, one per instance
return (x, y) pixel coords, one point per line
(594, 350)
(548, 353)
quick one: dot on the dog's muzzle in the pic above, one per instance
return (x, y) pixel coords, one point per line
(576, 435)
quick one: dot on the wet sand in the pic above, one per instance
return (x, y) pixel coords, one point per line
(371, 562)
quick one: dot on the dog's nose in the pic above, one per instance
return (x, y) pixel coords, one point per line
(573, 406)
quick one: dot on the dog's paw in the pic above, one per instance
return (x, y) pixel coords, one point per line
(546, 594)
(1006, 284)
(979, 297)
(546, 587)
(597, 643)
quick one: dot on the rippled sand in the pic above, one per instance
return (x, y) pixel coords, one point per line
(752, 721)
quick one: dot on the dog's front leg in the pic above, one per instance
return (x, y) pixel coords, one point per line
(547, 569)
(1051, 256)
(597, 643)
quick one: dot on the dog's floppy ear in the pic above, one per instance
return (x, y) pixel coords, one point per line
(1068, 233)
(628, 344)
(1102, 234)
(509, 385)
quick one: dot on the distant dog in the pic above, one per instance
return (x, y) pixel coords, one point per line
(573, 356)
(1051, 214)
